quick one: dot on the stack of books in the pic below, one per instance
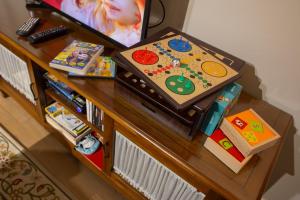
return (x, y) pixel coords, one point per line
(60, 88)
(66, 123)
(82, 59)
(94, 115)
(240, 137)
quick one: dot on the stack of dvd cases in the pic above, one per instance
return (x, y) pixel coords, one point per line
(94, 115)
(63, 90)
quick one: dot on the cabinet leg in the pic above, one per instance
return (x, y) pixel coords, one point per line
(3, 94)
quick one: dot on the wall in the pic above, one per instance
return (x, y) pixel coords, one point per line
(266, 34)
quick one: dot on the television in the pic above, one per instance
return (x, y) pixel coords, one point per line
(123, 22)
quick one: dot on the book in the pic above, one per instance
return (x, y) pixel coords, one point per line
(66, 119)
(94, 115)
(102, 67)
(219, 145)
(59, 86)
(221, 107)
(77, 57)
(64, 132)
(249, 132)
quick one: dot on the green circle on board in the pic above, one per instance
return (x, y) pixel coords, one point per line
(180, 85)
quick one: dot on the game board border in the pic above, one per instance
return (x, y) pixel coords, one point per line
(237, 66)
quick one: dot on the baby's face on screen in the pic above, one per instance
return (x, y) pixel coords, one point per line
(81, 3)
(124, 11)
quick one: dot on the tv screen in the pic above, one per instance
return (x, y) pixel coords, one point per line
(124, 21)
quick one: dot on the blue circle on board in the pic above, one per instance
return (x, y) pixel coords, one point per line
(180, 45)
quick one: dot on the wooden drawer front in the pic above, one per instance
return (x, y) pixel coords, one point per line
(14, 70)
(148, 175)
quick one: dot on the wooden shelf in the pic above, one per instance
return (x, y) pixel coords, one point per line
(114, 179)
(75, 153)
(50, 92)
(19, 97)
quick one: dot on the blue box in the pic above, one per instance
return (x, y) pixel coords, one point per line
(222, 105)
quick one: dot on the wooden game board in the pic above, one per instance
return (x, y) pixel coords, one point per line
(198, 74)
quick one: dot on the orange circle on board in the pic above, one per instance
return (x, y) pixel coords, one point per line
(214, 69)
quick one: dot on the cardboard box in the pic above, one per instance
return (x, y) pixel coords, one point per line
(222, 105)
(249, 132)
(219, 145)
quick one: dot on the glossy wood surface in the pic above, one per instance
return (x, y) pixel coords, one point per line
(187, 158)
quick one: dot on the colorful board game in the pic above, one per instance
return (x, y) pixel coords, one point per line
(179, 69)
(249, 132)
(219, 137)
(224, 150)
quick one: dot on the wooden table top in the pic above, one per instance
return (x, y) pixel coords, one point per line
(199, 163)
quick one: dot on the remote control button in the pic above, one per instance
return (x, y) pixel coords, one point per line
(27, 27)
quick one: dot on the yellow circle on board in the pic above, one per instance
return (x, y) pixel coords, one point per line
(186, 61)
(214, 69)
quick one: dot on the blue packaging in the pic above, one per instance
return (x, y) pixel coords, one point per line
(222, 105)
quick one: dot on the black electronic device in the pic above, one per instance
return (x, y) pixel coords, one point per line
(27, 27)
(123, 22)
(34, 4)
(47, 34)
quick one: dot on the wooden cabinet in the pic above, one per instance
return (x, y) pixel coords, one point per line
(188, 159)
(17, 78)
(162, 155)
(150, 175)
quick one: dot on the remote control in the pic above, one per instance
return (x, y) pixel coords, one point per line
(27, 27)
(47, 34)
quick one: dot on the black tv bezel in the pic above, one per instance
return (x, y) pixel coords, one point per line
(115, 42)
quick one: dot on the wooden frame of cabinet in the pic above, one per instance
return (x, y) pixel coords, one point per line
(188, 159)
